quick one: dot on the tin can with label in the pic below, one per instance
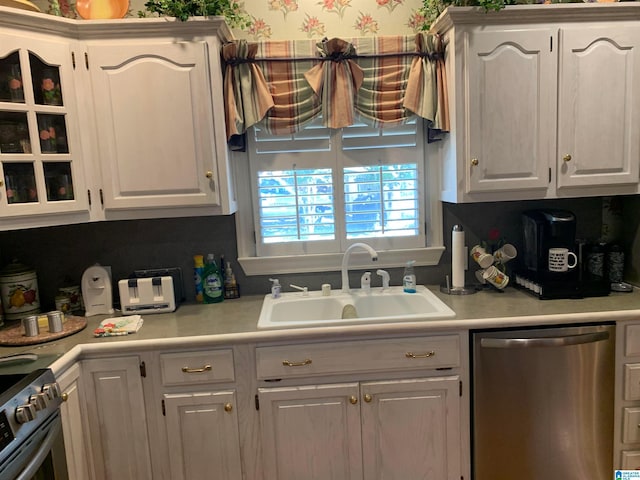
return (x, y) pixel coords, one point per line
(30, 326)
(19, 291)
(75, 297)
(55, 321)
(63, 303)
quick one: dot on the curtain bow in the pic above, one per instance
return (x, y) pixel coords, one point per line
(246, 94)
(336, 81)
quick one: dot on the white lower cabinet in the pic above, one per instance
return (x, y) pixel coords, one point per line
(77, 449)
(627, 397)
(201, 422)
(398, 429)
(340, 410)
(202, 433)
(117, 420)
(406, 426)
(410, 428)
(311, 432)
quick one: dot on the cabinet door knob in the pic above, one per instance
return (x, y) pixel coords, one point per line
(209, 174)
(228, 407)
(1, 183)
(567, 158)
(367, 398)
(475, 162)
(353, 399)
(64, 396)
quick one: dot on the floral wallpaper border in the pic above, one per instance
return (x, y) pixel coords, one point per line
(302, 19)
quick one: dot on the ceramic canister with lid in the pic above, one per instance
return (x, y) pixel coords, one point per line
(19, 291)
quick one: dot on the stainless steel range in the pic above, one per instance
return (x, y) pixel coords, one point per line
(31, 444)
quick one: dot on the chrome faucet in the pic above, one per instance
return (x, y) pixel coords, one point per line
(345, 263)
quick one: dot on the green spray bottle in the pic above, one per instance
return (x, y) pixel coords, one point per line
(213, 287)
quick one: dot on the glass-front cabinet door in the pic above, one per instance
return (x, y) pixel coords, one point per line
(40, 166)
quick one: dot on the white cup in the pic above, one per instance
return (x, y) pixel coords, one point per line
(495, 277)
(505, 253)
(559, 259)
(480, 255)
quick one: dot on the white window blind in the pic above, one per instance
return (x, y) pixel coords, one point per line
(319, 190)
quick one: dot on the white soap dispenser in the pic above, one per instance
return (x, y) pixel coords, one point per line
(275, 288)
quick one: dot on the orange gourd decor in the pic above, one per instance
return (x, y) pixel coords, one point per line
(94, 9)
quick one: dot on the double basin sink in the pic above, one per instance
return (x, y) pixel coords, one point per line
(377, 305)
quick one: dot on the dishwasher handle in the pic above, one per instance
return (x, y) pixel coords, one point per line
(562, 341)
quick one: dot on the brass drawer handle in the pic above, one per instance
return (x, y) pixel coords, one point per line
(287, 363)
(367, 398)
(428, 354)
(206, 368)
(567, 158)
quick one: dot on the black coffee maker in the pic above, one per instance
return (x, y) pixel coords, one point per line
(545, 229)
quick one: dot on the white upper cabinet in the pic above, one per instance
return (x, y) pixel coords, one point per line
(42, 169)
(599, 106)
(510, 105)
(154, 122)
(139, 130)
(544, 102)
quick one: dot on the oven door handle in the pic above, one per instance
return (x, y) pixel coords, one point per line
(580, 339)
(39, 457)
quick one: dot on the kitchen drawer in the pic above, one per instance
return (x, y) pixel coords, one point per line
(398, 354)
(198, 367)
(632, 340)
(631, 425)
(631, 460)
(632, 381)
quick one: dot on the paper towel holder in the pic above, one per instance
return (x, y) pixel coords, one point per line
(449, 290)
(457, 290)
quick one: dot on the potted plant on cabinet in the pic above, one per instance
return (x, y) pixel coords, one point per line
(183, 9)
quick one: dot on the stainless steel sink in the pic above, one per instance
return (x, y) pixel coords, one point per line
(294, 310)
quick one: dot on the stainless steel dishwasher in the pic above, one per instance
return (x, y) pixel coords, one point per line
(543, 403)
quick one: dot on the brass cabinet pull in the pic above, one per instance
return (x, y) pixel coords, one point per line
(428, 354)
(353, 399)
(64, 396)
(287, 363)
(475, 162)
(367, 398)
(228, 407)
(567, 158)
(1, 183)
(206, 368)
(209, 174)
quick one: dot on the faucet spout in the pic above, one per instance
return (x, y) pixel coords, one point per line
(345, 262)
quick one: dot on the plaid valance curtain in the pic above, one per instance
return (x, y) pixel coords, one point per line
(283, 85)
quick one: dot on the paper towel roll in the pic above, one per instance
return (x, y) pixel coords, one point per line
(458, 257)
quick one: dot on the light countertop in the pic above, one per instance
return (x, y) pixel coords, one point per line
(235, 321)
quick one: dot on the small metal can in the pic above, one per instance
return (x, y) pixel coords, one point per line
(30, 325)
(55, 321)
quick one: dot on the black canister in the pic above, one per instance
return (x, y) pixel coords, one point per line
(596, 259)
(615, 263)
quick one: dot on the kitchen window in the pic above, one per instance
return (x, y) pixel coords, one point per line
(311, 194)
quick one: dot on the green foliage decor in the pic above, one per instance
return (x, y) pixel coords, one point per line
(432, 8)
(183, 9)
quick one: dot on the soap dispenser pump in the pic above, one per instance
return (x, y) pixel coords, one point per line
(409, 278)
(275, 288)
